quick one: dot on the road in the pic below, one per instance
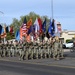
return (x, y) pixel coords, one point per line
(12, 66)
(19, 68)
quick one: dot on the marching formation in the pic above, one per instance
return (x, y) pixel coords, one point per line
(48, 48)
(33, 41)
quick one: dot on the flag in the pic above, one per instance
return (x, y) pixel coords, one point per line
(25, 21)
(29, 23)
(7, 29)
(3, 34)
(21, 36)
(51, 29)
(59, 27)
(11, 30)
(36, 25)
(44, 26)
(28, 38)
(0, 29)
(17, 36)
(24, 27)
(40, 25)
(30, 30)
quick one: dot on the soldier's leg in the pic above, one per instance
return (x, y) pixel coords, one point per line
(1, 52)
(62, 53)
(45, 52)
(32, 53)
(54, 53)
(4, 51)
(58, 52)
(27, 53)
(20, 54)
(9, 52)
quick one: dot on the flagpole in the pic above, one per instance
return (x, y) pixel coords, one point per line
(52, 9)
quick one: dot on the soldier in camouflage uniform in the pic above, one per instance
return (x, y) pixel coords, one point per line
(21, 51)
(12, 49)
(4, 50)
(1, 49)
(56, 49)
(8, 52)
(61, 48)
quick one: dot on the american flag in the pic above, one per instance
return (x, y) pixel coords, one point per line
(23, 29)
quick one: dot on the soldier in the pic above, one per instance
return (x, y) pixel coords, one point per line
(4, 50)
(21, 51)
(61, 48)
(49, 43)
(1, 47)
(56, 48)
(12, 49)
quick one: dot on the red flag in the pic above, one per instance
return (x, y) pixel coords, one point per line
(11, 30)
(40, 25)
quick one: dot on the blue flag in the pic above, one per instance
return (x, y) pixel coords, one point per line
(0, 29)
(44, 26)
(7, 29)
(30, 30)
(51, 28)
(17, 36)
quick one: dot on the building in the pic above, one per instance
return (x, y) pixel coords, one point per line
(67, 35)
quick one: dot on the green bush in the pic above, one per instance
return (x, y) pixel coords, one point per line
(68, 40)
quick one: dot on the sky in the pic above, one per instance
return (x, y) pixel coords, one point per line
(63, 10)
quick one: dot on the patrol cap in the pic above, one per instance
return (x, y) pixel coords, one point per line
(57, 38)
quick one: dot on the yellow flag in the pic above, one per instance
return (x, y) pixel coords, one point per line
(29, 23)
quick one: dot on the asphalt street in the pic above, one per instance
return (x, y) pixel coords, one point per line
(17, 68)
(49, 66)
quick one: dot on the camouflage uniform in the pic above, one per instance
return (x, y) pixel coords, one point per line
(56, 50)
(1, 47)
(61, 49)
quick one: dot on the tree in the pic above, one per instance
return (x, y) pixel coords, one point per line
(17, 23)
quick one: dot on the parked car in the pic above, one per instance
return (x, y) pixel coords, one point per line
(68, 44)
